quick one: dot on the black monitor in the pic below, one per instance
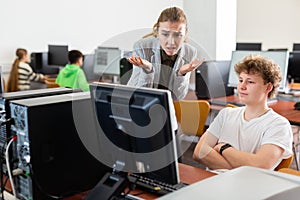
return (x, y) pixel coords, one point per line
(125, 70)
(294, 67)
(248, 46)
(212, 78)
(58, 55)
(279, 57)
(296, 47)
(136, 128)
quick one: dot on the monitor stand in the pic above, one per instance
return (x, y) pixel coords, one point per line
(111, 184)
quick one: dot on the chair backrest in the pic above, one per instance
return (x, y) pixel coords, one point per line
(285, 163)
(290, 171)
(192, 115)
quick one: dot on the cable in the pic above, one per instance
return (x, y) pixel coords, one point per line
(8, 166)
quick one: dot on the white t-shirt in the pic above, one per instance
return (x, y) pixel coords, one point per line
(229, 126)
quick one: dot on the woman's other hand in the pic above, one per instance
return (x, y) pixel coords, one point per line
(137, 61)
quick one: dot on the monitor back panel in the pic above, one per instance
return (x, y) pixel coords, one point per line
(212, 78)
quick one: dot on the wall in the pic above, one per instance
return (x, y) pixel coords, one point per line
(275, 23)
(81, 24)
(212, 25)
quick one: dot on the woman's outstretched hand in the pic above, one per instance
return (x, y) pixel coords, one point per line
(190, 67)
(138, 61)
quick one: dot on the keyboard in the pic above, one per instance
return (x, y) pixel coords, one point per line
(154, 186)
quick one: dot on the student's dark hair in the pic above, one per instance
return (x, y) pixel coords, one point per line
(266, 68)
(12, 84)
(74, 55)
(172, 14)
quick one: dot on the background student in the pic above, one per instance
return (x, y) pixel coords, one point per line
(163, 59)
(252, 135)
(21, 73)
(72, 75)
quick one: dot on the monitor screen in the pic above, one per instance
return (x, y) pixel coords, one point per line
(88, 67)
(248, 46)
(212, 79)
(58, 55)
(279, 57)
(296, 47)
(107, 61)
(294, 67)
(136, 129)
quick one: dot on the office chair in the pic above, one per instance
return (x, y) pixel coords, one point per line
(285, 163)
(290, 171)
(189, 112)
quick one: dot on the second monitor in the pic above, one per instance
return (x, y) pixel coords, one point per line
(279, 57)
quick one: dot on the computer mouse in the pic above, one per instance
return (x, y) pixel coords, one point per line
(297, 105)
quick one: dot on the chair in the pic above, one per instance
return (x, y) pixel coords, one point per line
(290, 171)
(285, 163)
(192, 115)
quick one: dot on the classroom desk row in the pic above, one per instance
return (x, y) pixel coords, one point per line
(284, 108)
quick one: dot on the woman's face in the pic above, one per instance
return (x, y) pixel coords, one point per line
(171, 35)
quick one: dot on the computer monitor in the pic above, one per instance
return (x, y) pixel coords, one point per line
(136, 128)
(88, 67)
(279, 57)
(125, 70)
(212, 79)
(294, 67)
(296, 47)
(107, 61)
(248, 46)
(58, 55)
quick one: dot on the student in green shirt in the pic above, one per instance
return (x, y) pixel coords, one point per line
(72, 75)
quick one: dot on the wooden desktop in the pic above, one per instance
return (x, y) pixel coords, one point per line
(284, 108)
(188, 174)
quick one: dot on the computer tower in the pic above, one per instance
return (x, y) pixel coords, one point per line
(49, 146)
(5, 117)
(212, 78)
(38, 60)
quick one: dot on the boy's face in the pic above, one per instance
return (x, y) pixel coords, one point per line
(251, 88)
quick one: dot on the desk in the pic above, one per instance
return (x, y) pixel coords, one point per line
(284, 108)
(188, 174)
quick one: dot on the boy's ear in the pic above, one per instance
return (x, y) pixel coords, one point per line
(269, 87)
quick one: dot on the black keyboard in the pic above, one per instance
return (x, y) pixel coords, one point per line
(154, 186)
